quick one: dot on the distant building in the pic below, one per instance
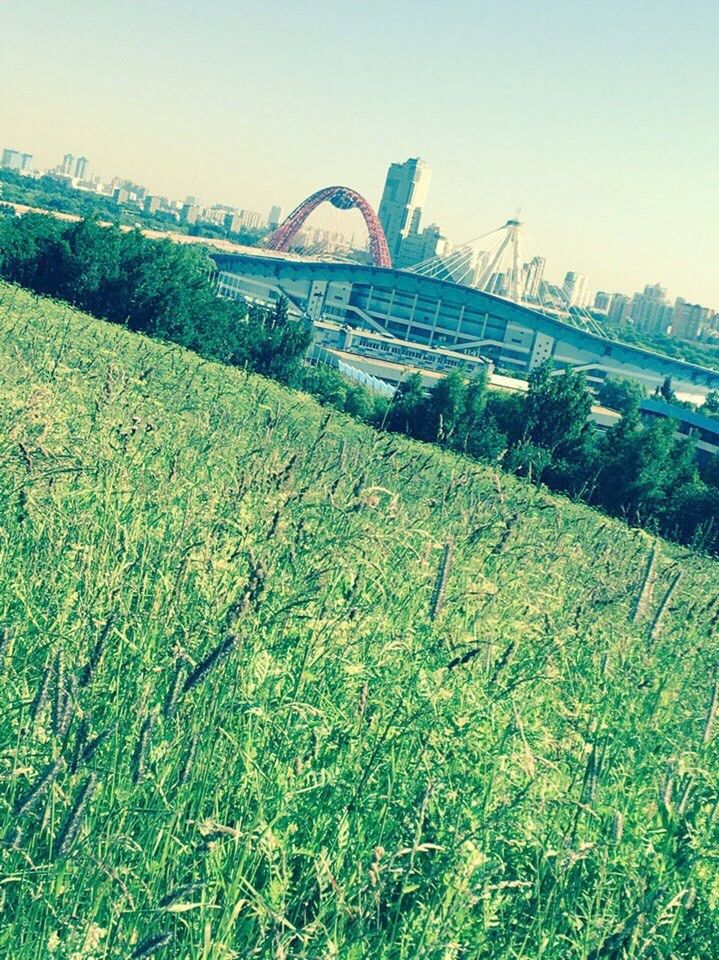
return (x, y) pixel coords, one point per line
(618, 308)
(274, 218)
(68, 165)
(416, 247)
(189, 213)
(151, 204)
(82, 165)
(650, 312)
(403, 199)
(120, 196)
(14, 160)
(533, 275)
(602, 301)
(251, 220)
(575, 289)
(688, 319)
(191, 201)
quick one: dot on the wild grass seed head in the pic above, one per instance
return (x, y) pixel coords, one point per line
(91, 747)
(139, 754)
(440, 583)
(41, 696)
(188, 762)
(28, 801)
(93, 660)
(169, 704)
(222, 650)
(150, 945)
(73, 821)
(711, 712)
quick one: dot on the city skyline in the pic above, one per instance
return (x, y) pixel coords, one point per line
(596, 120)
(411, 175)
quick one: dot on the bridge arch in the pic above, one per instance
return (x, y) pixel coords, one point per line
(344, 198)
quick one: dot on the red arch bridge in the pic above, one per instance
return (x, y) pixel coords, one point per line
(343, 198)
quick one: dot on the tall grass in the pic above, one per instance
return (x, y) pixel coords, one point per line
(251, 709)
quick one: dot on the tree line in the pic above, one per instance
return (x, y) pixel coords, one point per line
(156, 287)
(645, 474)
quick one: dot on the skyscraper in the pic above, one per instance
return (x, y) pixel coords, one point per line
(618, 308)
(403, 199)
(81, 166)
(533, 274)
(650, 311)
(602, 301)
(417, 247)
(68, 165)
(574, 289)
(13, 160)
(688, 319)
(274, 218)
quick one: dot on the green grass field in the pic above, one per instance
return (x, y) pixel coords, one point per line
(274, 685)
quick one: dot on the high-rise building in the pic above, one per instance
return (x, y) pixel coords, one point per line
(403, 199)
(650, 311)
(688, 319)
(575, 289)
(532, 276)
(274, 218)
(81, 167)
(602, 301)
(618, 308)
(189, 213)
(14, 160)
(417, 247)
(68, 165)
(151, 204)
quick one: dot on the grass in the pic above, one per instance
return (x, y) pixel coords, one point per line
(274, 685)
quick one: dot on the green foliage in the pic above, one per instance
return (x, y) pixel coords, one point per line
(153, 286)
(408, 408)
(621, 395)
(232, 726)
(557, 407)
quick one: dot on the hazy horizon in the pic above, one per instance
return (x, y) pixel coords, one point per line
(598, 123)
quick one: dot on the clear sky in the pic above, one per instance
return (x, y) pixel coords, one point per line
(599, 118)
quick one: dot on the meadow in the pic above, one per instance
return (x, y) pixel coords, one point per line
(276, 685)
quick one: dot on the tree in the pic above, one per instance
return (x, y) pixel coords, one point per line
(642, 469)
(557, 407)
(475, 404)
(711, 404)
(445, 408)
(620, 394)
(666, 391)
(408, 409)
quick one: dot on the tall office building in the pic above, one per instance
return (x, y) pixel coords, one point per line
(81, 167)
(602, 301)
(575, 289)
(14, 160)
(403, 199)
(274, 218)
(419, 246)
(650, 311)
(68, 165)
(688, 319)
(532, 276)
(618, 308)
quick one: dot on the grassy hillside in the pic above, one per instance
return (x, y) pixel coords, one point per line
(276, 686)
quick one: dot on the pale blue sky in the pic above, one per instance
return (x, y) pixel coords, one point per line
(597, 117)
